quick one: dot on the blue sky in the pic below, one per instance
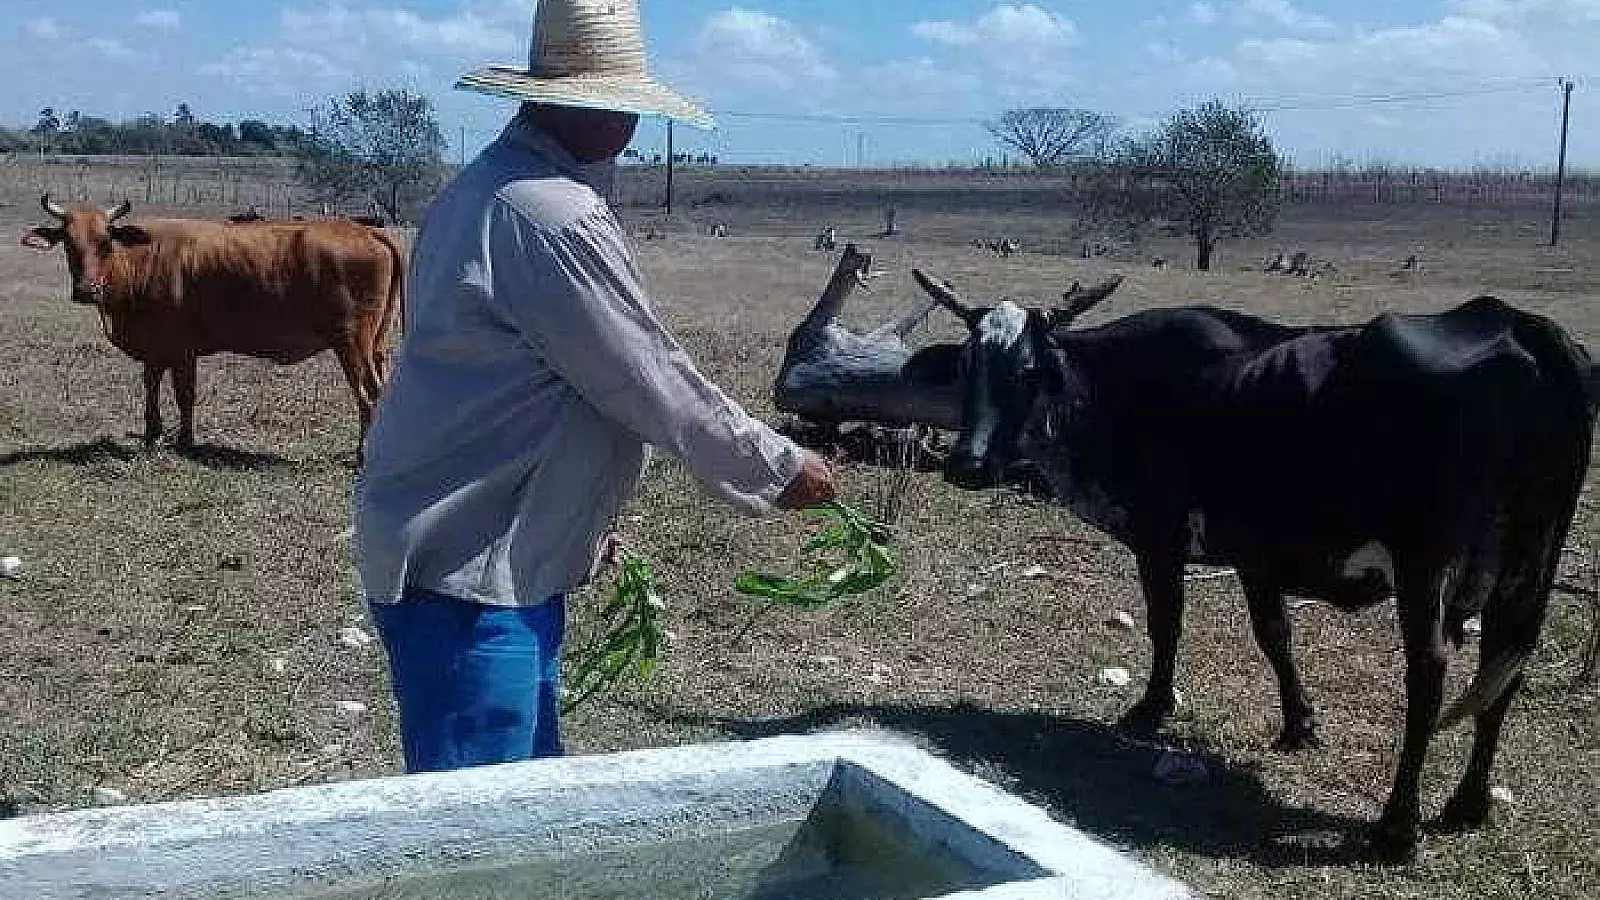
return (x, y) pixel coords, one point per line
(1469, 81)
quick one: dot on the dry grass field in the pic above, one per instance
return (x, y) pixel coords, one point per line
(176, 631)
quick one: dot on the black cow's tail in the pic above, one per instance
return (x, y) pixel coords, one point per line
(1550, 463)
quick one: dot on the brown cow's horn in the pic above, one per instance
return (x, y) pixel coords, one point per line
(53, 208)
(122, 209)
(943, 293)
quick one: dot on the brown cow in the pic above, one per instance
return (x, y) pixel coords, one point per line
(171, 291)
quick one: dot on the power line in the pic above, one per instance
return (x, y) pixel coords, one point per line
(1358, 100)
(1264, 104)
(843, 120)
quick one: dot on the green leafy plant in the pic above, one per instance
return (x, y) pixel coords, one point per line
(852, 557)
(629, 637)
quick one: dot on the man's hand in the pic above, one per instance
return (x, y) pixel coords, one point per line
(814, 485)
(612, 549)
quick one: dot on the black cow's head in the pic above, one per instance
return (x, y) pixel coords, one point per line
(91, 236)
(1012, 369)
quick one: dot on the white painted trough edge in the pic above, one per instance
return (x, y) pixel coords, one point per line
(485, 812)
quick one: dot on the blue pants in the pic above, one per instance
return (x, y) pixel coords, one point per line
(476, 684)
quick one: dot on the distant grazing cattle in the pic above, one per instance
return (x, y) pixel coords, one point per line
(827, 239)
(1433, 458)
(250, 215)
(171, 291)
(719, 230)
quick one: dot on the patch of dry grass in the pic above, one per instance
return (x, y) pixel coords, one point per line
(136, 652)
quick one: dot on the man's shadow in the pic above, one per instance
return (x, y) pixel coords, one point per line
(1098, 779)
(103, 450)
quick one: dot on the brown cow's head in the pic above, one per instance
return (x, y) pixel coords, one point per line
(92, 237)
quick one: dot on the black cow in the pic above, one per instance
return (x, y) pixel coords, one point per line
(1436, 458)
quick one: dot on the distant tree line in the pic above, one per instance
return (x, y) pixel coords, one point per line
(181, 134)
(681, 159)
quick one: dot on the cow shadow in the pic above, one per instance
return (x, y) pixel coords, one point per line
(1098, 779)
(86, 453)
(217, 456)
(108, 450)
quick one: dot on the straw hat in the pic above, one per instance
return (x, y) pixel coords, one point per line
(589, 54)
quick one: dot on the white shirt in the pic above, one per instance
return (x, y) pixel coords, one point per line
(532, 375)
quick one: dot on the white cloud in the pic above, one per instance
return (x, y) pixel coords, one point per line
(1259, 15)
(113, 49)
(43, 29)
(1162, 51)
(1280, 13)
(166, 20)
(758, 50)
(260, 70)
(339, 42)
(1023, 48)
(1470, 84)
(1506, 11)
(1008, 27)
(916, 87)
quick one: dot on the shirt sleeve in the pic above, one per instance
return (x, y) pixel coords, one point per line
(575, 294)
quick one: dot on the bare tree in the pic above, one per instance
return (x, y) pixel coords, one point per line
(1211, 169)
(385, 145)
(1053, 136)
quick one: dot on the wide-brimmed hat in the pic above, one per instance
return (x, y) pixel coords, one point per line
(589, 54)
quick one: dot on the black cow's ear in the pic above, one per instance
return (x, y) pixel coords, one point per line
(44, 237)
(130, 235)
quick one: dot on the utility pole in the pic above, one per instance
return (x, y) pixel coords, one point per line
(463, 147)
(671, 163)
(861, 150)
(1561, 164)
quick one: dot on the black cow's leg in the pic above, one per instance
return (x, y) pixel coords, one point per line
(183, 378)
(152, 403)
(1512, 620)
(1270, 620)
(1394, 839)
(1161, 577)
(1468, 808)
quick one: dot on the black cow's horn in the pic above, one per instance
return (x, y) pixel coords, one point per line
(1080, 301)
(52, 207)
(122, 209)
(943, 293)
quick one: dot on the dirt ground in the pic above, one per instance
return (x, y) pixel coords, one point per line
(176, 631)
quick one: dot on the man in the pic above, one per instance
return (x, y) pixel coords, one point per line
(532, 375)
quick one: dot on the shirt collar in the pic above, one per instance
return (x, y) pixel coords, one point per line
(601, 177)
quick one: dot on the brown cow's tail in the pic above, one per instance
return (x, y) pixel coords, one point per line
(1548, 472)
(395, 315)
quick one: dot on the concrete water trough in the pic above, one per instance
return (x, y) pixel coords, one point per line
(857, 815)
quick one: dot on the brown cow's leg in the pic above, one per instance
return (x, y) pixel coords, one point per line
(152, 403)
(1394, 838)
(1161, 577)
(183, 378)
(1270, 621)
(358, 371)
